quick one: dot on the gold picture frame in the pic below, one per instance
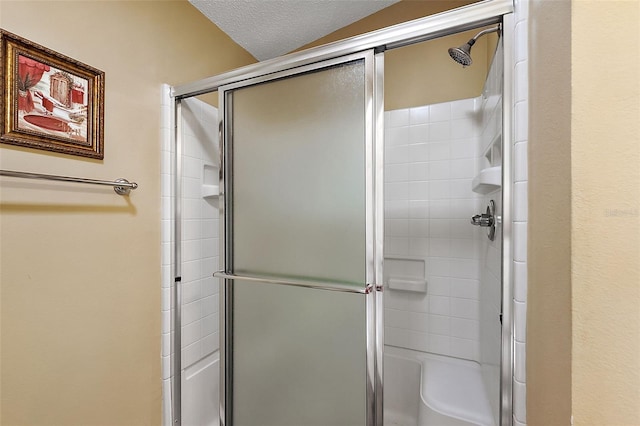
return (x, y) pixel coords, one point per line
(49, 101)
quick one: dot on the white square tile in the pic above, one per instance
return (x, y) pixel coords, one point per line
(439, 170)
(520, 370)
(166, 367)
(418, 152)
(465, 248)
(439, 247)
(439, 190)
(418, 302)
(461, 228)
(463, 109)
(396, 209)
(439, 324)
(465, 328)
(396, 318)
(439, 151)
(439, 344)
(520, 281)
(419, 115)
(418, 191)
(191, 312)
(210, 324)
(419, 322)
(191, 291)
(521, 119)
(522, 84)
(520, 401)
(521, 39)
(396, 173)
(394, 191)
(439, 228)
(438, 286)
(520, 202)
(396, 246)
(419, 209)
(440, 112)
(520, 241)
(418, 171)
(396, 227)
(440, 131)
(191, 333)
(520, 317)
(396, 337)
(419, 247)
(465, 288)
(464, 348)
(418, 134)
(521, 168)
(210, 344)
(460, 188)
(463, 148)
(418, 228)
(396, 154)
(465, 268)
(439, 305)
(440, 209)
(438, 266)
(419, 341)
(462, 129)
(397, 136)
(398, 117)
(465, 168)
(463, 208)
(191, 354)
(464, 308)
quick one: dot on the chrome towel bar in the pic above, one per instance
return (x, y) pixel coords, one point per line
(298, 283)
(120, 186)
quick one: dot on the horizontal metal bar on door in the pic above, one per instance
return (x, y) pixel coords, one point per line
(319, 285)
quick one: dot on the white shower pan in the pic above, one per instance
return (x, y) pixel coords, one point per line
(432, 390)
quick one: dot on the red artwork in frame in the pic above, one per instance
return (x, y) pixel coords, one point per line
(49, 101)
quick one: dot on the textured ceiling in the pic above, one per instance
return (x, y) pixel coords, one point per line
(270, 28)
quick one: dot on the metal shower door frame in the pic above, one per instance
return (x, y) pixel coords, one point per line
(439, 25)
(373, 150)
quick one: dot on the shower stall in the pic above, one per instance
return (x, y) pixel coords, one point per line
(336, 260)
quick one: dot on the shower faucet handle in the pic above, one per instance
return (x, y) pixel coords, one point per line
(484, 220)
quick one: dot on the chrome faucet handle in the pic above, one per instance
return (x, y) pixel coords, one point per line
(483, 220)
(487, 220)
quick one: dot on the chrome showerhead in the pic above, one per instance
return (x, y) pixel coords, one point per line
(462, 54)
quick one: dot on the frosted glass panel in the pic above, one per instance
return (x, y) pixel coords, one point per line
(298, 356)
(299, 176)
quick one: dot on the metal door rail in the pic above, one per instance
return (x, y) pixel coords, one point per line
(320, 285)
(121, 186)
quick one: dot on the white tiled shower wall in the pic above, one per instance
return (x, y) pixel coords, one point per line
(200, 259)
(430, 161)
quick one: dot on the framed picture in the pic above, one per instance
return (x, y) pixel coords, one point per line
(49, 101)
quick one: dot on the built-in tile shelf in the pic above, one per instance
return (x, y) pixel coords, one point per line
(209, 191)
(488, 180)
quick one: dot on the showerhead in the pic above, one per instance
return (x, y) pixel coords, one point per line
(462, 54)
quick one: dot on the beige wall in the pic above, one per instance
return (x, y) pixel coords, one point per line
(80, 265)
(583, 346)
(549, 234)
(605, 168)
(423, 74)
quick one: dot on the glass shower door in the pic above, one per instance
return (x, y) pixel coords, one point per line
(298, 247)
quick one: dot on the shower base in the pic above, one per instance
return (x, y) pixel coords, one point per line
(423, 389)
